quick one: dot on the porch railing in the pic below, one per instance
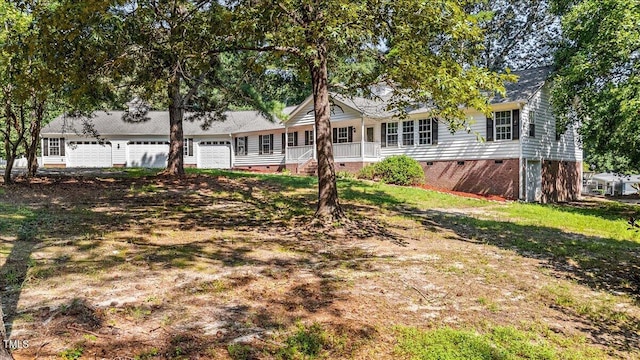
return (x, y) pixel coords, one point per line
(299, 154)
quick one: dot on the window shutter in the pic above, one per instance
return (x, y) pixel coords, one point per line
(260, 144)
(190, 147)
(295, 138)
(235, 145)
(489, 136)
(335, 135)
(383, 138)
(306, 137)
(434, 131)
(61, 146)
(45, 147)
(270, 143)
(350, 134)
(515, 124)
(284, 141)
(246, 145)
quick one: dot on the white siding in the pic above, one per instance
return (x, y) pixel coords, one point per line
(119, 152)
(339, 112)
(458, 146)
(254, 157)
(544, 145)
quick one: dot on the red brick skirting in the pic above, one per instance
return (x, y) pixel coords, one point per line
(487, 177)
(55, 166)
(261, 168)
(560, 181)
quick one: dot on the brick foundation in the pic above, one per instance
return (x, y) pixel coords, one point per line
(486, 177)
(55, 166)
(560, 181)
(352, 167)
(261, 168)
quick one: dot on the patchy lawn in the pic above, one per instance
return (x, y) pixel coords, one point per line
(222, 265)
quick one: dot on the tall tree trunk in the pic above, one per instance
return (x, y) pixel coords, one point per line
(175, 165)
(329, 209)
(5, 352)
(33, 143)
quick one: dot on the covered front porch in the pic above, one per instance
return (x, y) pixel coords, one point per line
(353, 141)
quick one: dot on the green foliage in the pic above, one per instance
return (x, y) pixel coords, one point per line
(598, 79)
(345, 175)
(400, 170)
(368, 172)
(306, 343)
(239, 351)
(72, 354)
(449, 344)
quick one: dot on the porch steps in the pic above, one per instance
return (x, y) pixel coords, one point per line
(310, 168)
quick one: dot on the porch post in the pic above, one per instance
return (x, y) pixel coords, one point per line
(362, 138)
(315, 140)
(286, 145)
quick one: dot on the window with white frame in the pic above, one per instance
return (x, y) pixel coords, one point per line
(241, 145)
(532, 124)
(392, 134)
(266, 144)
(54, 147)
(424, 131)
(407, 133)
(292, 138)
(187, 147)
(343, 135)
(503, 125)
(308, 137)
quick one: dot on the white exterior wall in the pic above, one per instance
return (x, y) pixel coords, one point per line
(253, 157)
(544, 145)
(458, 146)
(339, 112)
(119, 151)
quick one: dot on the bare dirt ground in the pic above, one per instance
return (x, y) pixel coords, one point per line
(215, 267)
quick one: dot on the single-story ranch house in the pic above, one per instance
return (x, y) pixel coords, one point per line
(523, 156)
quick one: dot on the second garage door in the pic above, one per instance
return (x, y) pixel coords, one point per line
(214, 155)
(89, 154)
(153, 154)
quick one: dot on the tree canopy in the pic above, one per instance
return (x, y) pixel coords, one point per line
(597, 84)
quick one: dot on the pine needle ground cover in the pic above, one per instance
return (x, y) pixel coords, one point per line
(222, 265)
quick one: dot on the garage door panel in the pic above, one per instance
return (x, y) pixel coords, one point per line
(214, 156)
(148, 154)
(89, 154)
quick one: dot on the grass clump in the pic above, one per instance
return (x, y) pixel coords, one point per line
(500, 343)
(72, 354)
(305, 343)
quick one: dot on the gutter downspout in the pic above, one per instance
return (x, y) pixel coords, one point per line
(521, 181)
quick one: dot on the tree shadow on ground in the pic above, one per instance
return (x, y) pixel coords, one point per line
(602, 264)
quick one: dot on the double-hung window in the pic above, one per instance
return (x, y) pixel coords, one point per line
(187, 147)
(343, 135)
(266, 144)
(392, 134)
(407, 133)
(503, 125)
(241, 145)
(54, 147)
(424, 131)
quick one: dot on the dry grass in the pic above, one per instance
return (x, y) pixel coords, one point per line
(223, 266)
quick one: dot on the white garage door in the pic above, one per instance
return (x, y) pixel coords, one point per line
(214, 155)
(153, 154)
(88, 154)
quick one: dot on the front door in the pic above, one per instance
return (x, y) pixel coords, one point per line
(534, 181)
(370, 134)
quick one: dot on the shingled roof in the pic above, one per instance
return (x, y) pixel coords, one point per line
(529, 82)
(157, 124)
